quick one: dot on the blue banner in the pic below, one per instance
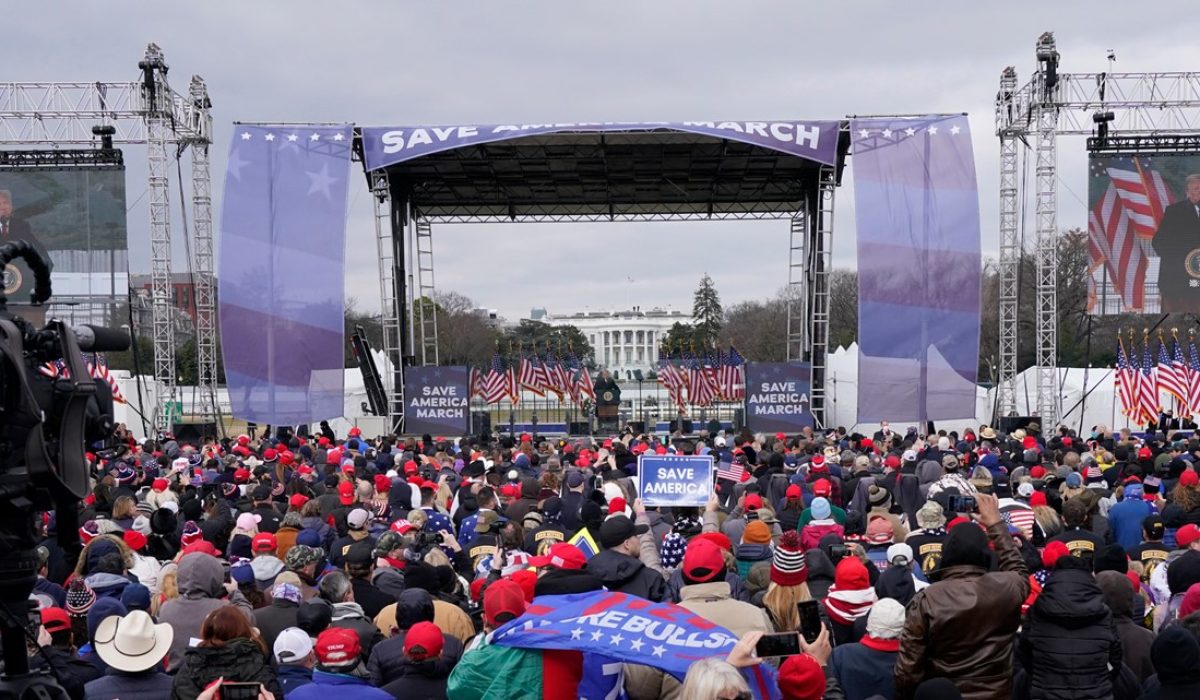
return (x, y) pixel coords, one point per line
(281, 272)
(667, 480)
(777, 396)
(436, 401)
(917, 212)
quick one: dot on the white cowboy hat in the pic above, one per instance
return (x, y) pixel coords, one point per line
(133, 643)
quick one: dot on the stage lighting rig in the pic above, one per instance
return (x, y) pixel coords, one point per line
(1047, 56)
(1102, 120)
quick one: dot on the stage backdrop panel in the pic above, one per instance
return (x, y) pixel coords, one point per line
(76, 219)
(917, 211)
(777, 396)
(1144, 234)
(282, 272)
(436, 401)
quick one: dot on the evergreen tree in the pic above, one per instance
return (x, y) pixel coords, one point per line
(707, 312)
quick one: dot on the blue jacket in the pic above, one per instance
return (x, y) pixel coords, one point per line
(325, 684)
(114, 685)
(864, 672)
(292, 676)
(1125, 520)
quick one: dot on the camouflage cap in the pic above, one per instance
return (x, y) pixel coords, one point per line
(301, 555)
(388, 541)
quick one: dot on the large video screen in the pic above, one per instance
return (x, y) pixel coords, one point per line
(1144, 233)
(76, 219)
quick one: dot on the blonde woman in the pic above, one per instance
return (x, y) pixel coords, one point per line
(124, 510)
(789, 583)
(713, 679)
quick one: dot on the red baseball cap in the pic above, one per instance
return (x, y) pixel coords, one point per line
(1189, 478)
(402, 526)
(793, 491)
(822, 487)
(608, 443)
(891, 461)
(338, 646)
(243, 440)
(134, 539)
(304, 470)
(422, 641)
(241, 475)
(780, 436)
(718, 538)
(1145, 453)
(702, 561)
(1037, 471)
(322, 442)
(382, 483)
(818, 463)
(410, 467)
(753, 501)
(297, 500)
(264, 542)
(159, 485)
(562, 555)
(270, 455)
(503, 598)
(1187, 534)
(286, 457)
(55, 619)
(346, 493)
(355, 431)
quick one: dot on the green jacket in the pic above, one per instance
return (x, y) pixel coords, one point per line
(497, 673)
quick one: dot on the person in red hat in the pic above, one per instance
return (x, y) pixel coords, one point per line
(561, 570)
(709, 595)
(475, 676)
(424, 672)
(337, 673)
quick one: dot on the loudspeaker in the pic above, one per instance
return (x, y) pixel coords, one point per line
(481, 423)
(194, 432)
(637, 426)
(681, 425)
(1011, 423)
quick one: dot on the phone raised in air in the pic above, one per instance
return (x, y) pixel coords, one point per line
(782, 644)
(232, 690)
(961, 504)
(810, 619)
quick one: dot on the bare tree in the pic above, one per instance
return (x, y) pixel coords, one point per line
(464, 336)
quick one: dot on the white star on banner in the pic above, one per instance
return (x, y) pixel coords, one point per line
(955, 129)
(636, 644)
(314, 137)
(235, 165)
(932, 131)
(320, 181)
(597, 636)
(338, 136)
(910, 131)
(269, 137)
(658, 650)
(863, 133)
(887, 133)
(576, 633)
(616, 639)
(292, 137)
(245, 135)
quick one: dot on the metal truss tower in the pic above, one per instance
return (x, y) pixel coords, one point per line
(143, 111)
(424, 307)
(391, 271)
(1050, 105)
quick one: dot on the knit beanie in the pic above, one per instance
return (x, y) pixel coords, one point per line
(965, 545)
(788, 567)
(801, 678)
(103, 609)
(821, 509)
(756, 532)
(673, 546)
(1111, 558)
(886, 619)
(80, 597)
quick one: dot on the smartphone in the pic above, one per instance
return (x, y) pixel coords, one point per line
(837, 551)
(960, 504)
(231, 690)
(782, 644)
(810, 619)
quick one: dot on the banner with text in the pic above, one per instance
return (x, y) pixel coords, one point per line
(675, 481)
(777, 396)
(389, 145)
(436, 400)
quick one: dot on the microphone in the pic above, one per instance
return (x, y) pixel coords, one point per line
(100, 339)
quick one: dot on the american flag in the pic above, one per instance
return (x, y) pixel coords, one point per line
(1181, 373)
(557, 377)
(671, 379)
(1122, 223)
(581, 383)
(700, 389)
(1019, 516)
(732, 472)
(495, 384)
(475, 383)
(529, 377)
(1167, 379)
(1193, 376)
(97, 366)
(1148, 405)
(511, 386)
(732, 375)
(1127, 382)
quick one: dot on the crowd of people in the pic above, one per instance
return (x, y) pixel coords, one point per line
(977, 565)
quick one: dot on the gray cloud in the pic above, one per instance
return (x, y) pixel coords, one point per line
(482, 62)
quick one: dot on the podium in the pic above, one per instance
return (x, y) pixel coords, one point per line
(607, 417)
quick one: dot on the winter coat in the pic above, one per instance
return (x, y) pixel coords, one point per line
(1069, 641)
(451, 619)
(275, 618)
(200, 578)
(370, 599)
(738, 585)
(239, 660)
(292, 676)
(714, 602)
(1135, 639)
(493, 672)
(622, 573)
(864, 672)
(1125, 519)
(820, 573)
(350, 616)
(389, 580)
(285, 539)
(119, 685)
(419, 680)
(564, 581)
(326, 685)
(961, 627)
(388, 662)
(812, 533)
(748, 555)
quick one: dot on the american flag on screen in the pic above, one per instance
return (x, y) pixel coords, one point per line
(1127, 382)
(1123, 222)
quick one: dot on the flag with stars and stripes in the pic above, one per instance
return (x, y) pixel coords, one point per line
(1148, 404)
(1166, 377)
(1193, 375)
(670, 377)
(1127, 382)
(495, 383)
(1179, 364)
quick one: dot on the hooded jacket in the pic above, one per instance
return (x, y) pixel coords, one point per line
(419, 680)
(1135, 639)
(622, 573)
(344, 687)
(113, 685)
(820, 572)
(528, 501)
(200, 578)
(748, 555)
(1177, 661)
(350, 616)
(239, 660)
(812, 533)
(1069, 640)
(414, 606)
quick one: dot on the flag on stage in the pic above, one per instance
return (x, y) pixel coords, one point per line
(669, 375)
(1179, 364)
(732, 375)
(1127, 382)
(475, 383)
(495, 384)
(1148, 405)
(700, 388)
(529, 376)
(1193, 376)
(1166, 378)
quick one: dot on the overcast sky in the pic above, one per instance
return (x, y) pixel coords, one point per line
(400, 62)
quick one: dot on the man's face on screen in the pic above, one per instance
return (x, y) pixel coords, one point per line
(1193, 191)
(6, 206)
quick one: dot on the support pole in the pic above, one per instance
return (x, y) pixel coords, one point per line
(1006, 399)
(202, 251)
(1047, 232)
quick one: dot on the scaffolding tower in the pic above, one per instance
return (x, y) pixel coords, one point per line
(1050, 105)
(146, 112)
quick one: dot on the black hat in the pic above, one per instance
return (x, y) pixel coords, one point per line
(314, 616)
(360, 553)
(1153, 526)
(163, 521)
(1111, 558)
(552, 507)
(262, 492)
(474, 469)
(965, 545)
(418, 574)
(619, 528)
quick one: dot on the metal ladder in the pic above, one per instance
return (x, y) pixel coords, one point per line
(424, 306)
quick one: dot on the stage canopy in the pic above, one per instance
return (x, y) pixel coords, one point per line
(590, 172)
